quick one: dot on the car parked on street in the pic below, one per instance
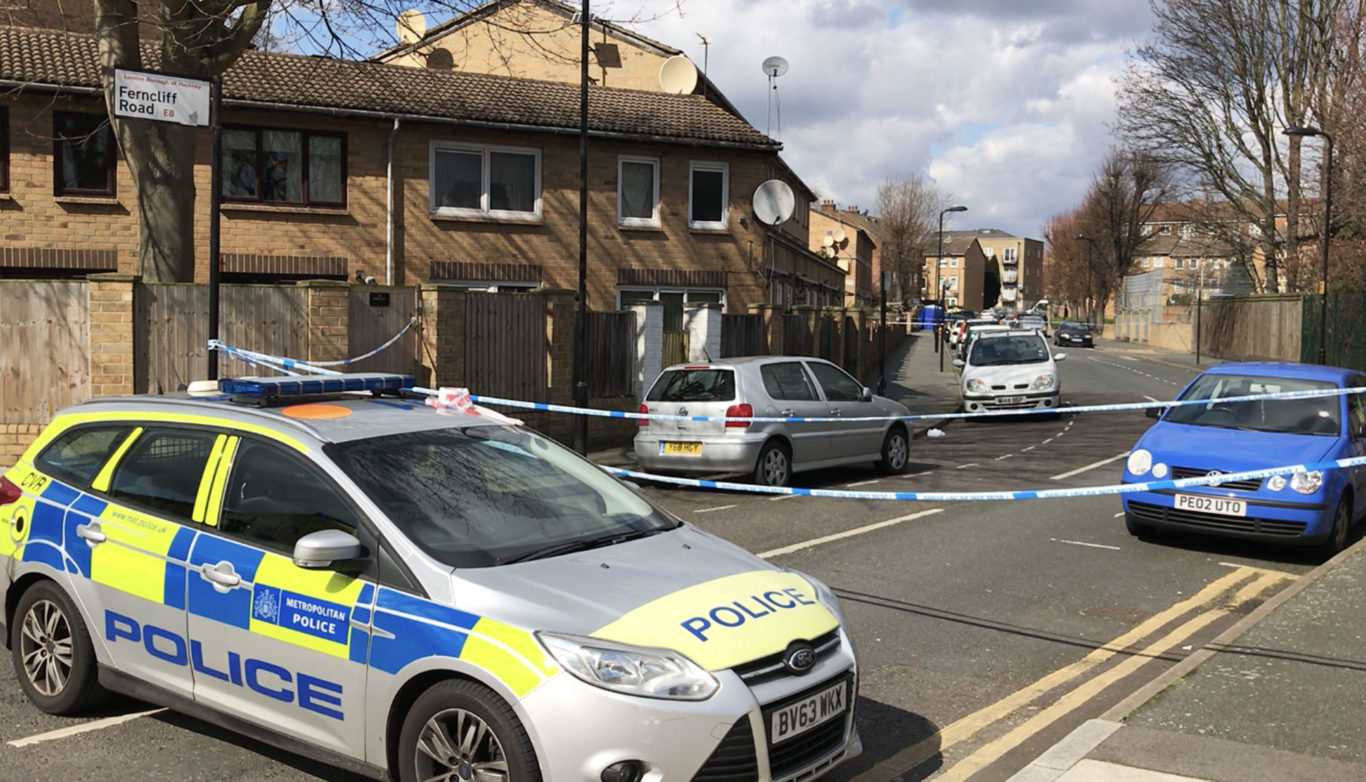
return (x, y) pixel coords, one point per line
(770, 452)
(432, 593)
(973, 331)
(1035, 322)
(1307, 507)
(1010, 369)
(1073, 333)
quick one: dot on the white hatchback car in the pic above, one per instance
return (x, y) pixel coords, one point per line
(1009, 370)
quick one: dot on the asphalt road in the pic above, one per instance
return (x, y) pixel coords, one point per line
(986, 630)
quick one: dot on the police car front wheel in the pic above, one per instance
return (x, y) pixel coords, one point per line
(461, 730)
(53, 657)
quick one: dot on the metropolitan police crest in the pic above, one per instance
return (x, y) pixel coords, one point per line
(265, 604)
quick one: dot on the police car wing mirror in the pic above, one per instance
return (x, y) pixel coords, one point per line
(322, 548)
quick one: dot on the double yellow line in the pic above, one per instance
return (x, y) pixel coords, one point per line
(1259, 581)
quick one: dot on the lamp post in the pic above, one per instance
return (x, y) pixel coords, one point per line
(1327, 221)
(939, 282)
(1090, 245)
(579, 370)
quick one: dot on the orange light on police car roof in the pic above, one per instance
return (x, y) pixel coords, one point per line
(316, 411)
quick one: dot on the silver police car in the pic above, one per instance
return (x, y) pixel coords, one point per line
(432, 593)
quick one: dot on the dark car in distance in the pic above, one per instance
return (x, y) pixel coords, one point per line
(1073, 333)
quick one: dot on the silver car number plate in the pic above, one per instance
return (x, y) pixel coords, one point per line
(1009, 400)
(1223, 506)
(808, 712)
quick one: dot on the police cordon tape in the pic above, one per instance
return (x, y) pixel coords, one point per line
(1033, 494)
(286, 365)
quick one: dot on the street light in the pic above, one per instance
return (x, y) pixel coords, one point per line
(1327, 221)
(1090, 245)
(939, 282)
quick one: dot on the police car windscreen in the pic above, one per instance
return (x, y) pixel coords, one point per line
(487, 495)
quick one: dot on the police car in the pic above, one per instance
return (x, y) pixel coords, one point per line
(435, 593)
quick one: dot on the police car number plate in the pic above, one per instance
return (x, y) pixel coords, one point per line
(807, 713)
(1220, 505)
(686, 449)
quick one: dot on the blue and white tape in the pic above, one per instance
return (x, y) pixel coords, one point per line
(1030, 494)
(280, 362)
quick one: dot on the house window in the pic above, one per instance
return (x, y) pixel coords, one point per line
(708, 194)
(4, 150)
(1008, 254)
(953, 263)
(1165, 230)
(1157, 263)
(474, 181)
(638, 191)
(270, 165)
(83, 155)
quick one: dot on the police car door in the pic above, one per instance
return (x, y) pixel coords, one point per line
(280, 649)
(128, 539)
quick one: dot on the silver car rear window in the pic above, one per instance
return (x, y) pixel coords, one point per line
(693, 385)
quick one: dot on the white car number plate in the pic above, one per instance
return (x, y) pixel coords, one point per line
(1223, 506)
(807, 713)
(1009, 400)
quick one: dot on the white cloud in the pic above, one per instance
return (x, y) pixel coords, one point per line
(1006, 104)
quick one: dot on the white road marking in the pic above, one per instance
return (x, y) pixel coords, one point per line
(1151, 398)
(862, 483)
(1083, 543)
(85, 727)
(1004, 456)
(1091, 466)
(965, 466)
(1030, 448)
(848, 533)
(710, 510)
(1117, 515)
(1046, 442)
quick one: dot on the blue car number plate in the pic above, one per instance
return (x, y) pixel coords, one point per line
(1222, 506)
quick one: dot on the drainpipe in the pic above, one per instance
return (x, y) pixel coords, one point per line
(389, 211)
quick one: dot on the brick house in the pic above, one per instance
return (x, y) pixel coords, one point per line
(842, 236)
(344, 170)
(958, 278)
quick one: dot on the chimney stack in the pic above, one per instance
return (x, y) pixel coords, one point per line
(852, 209)
(828, 205)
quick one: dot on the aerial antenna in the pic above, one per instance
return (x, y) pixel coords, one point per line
(706, 50)
(774, 67)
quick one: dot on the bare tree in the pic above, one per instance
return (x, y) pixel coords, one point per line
(1066, 276)
(908, 210)
(1216, 88)
(1125, 191)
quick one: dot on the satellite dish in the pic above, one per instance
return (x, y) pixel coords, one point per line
(678, 76)
(411, 26)
(839, 235)
(773, 202)
(774, 66)
(828, 241)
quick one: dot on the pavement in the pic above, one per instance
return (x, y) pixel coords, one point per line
(1280, 695)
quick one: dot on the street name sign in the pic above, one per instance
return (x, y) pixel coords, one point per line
(161, 97)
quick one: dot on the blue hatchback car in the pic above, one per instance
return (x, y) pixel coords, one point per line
(1315, 507)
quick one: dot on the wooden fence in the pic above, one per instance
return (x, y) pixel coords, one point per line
(611, 353)
(44, 348)
(742, 335)
(373, 316)
(505, 345)
(1252, 327)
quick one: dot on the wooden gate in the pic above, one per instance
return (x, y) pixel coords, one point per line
(45, 362)
(505, 346)
(374, 315)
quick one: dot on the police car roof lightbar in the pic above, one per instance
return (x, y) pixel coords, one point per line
(277, 387)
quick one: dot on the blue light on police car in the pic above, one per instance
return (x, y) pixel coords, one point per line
(277, 387)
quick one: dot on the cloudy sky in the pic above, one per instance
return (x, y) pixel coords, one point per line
(1005, 104)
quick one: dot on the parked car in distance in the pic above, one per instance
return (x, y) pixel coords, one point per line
(974, 330)
(1073, 333)
(1313, 507)
(1010, 369)
(1035, 322)
(767, 387)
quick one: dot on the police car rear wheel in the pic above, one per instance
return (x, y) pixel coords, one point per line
(53, 657)
(461, 730)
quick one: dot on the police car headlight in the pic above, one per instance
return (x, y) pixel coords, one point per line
(650, 673)
(1307, 482)
(1140, 461)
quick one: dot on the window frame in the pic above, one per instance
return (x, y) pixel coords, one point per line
(712, 166)
(638, 222)
(484, 211)
(304, 146)
(4, 149)
(59, 142)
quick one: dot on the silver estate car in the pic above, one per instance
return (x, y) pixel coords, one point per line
(767, 387)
